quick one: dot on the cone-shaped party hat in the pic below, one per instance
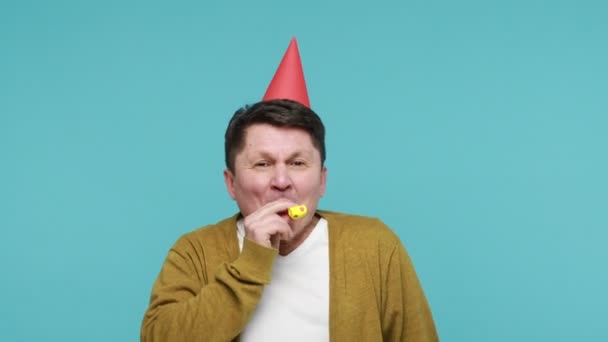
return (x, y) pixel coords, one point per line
(288, 81)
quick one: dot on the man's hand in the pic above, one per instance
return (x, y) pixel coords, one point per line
(269, 224)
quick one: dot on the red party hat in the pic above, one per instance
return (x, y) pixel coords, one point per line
(288, 81)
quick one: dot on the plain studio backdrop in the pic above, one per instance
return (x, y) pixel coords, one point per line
(477, 130)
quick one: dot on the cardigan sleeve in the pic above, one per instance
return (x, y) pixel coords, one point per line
(186, 307)
(407, 315)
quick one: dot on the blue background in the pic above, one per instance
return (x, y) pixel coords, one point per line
(476, 129)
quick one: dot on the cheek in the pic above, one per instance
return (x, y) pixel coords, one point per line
(252, 184)
(313, 184)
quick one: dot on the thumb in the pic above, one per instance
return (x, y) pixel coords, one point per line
(275, 241)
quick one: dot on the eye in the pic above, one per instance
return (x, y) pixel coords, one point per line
(298, 163)
(261, 164)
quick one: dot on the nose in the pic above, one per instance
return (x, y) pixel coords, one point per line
(281, 179)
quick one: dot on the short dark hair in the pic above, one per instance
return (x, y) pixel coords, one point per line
(278, 113)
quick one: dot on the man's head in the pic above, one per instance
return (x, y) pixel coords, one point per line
(275, 150)
(278, 113)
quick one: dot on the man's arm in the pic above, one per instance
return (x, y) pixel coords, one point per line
(184, 307)
(407, 315)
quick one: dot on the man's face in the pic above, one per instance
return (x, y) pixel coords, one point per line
(277, 163)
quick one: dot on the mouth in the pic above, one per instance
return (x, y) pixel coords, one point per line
(284, 215)
(274, 199)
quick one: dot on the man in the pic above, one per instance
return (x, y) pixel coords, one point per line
(263, 276)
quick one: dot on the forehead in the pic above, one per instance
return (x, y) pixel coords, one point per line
(268, 137)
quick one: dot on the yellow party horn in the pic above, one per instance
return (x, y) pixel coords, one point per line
(297, 212)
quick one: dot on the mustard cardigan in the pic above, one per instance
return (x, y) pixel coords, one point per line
(207, 290)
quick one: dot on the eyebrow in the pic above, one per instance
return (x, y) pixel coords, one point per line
(298, 153)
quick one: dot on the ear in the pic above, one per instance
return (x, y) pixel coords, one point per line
(229, 180)
(323, 180)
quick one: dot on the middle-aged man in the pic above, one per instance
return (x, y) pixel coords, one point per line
(261, 275)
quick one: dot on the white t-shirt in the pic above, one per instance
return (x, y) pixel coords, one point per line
(295, 305)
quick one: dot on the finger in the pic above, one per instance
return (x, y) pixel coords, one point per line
(275, 241)
(261, 230)
(275, 207)
(272, 225)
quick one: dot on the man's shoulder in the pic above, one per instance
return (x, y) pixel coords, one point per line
(211, 233)
(359, 227)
